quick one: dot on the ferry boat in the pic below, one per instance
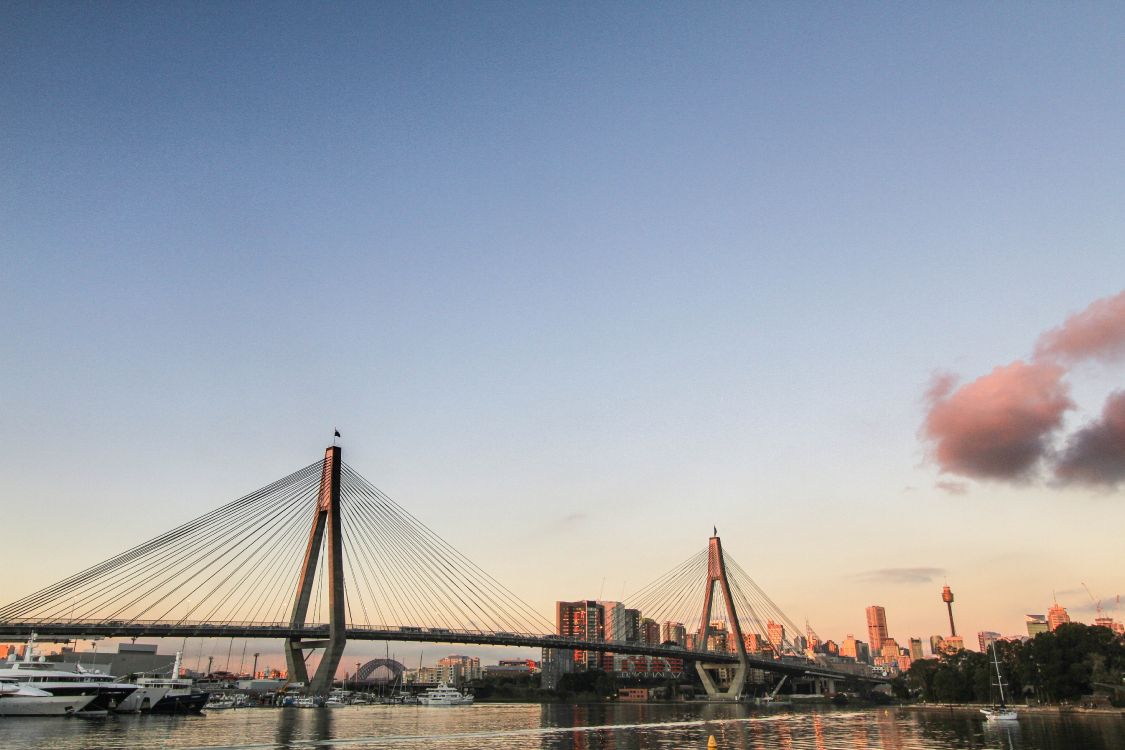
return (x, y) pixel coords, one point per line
(443, 695)
(23, 700)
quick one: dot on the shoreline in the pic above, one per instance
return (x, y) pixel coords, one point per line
(1046, 709)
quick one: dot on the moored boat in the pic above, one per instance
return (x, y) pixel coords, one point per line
(444, 695)
(18, 699)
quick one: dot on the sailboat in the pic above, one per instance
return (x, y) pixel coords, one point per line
(1000, 711)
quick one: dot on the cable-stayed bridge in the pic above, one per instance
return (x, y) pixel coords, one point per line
(322, 557)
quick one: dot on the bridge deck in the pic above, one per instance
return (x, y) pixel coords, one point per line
(793, 666)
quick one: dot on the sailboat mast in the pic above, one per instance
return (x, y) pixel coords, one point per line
(999, 679)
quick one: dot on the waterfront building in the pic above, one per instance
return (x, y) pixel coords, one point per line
(1057, 615)
(916, 649)
(457, 669)
(555, 663)
(584, 620)
(863, 652)
(831, 648)
(876, 627)
(672, 631)
(849, 647)
(986, 638)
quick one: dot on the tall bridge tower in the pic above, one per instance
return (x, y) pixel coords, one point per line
(326, 532)
(717, 574)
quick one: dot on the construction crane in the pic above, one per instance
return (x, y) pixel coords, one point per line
(1097, 602)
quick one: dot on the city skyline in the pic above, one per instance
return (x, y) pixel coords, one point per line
(577, 285)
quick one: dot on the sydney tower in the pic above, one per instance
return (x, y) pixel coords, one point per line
(947, 597)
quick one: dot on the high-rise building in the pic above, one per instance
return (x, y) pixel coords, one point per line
(916, 649)
(650, 631)
(616, 626)
(986, 638)
(632, 625)
(953, 644)
(672, 631)
(717, 641)
(457, 669)
(584, 620)
(937, 643)
(1056, 616)
(850, 648)
(876, 627)
(1037, 624)
(775, 631)
(947, 597)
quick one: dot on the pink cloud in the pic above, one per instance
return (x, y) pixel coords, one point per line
(1098, 332)
(1096, 453)
(1000, 425)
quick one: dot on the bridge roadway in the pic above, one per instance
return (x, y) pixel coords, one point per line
(22, 629)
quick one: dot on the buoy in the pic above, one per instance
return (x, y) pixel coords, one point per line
(711, 744)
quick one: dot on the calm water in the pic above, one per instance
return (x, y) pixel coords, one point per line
(564, 727)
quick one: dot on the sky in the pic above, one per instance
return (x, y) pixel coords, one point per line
(577, 282)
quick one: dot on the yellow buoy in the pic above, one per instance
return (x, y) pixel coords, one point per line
(711, 744)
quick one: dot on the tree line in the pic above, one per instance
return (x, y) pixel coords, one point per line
(1073, 661)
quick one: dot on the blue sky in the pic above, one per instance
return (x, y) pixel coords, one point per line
(560, 273)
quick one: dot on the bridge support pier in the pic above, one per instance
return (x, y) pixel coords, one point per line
(717, 574)
(325, 524)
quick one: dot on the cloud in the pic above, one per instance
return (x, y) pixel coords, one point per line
(1000, 425)
(900, 575)
(1095, 454)
(953, 488)
(1004, 426)
(1098, 332)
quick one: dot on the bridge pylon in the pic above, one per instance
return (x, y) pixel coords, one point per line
(326, 532)
(717, 574)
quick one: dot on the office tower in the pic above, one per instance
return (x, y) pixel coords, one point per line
(947, 597)
(937, 645)
(916, 649)
(849, 647)
(1037, 624)
(876, 627)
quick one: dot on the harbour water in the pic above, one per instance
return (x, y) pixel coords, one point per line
(567, 727)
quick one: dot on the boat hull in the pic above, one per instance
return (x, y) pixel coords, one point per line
(50, 705)
(182, 703)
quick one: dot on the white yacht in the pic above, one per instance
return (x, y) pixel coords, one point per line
(443, 695)
(23, 700)
(106, 693)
